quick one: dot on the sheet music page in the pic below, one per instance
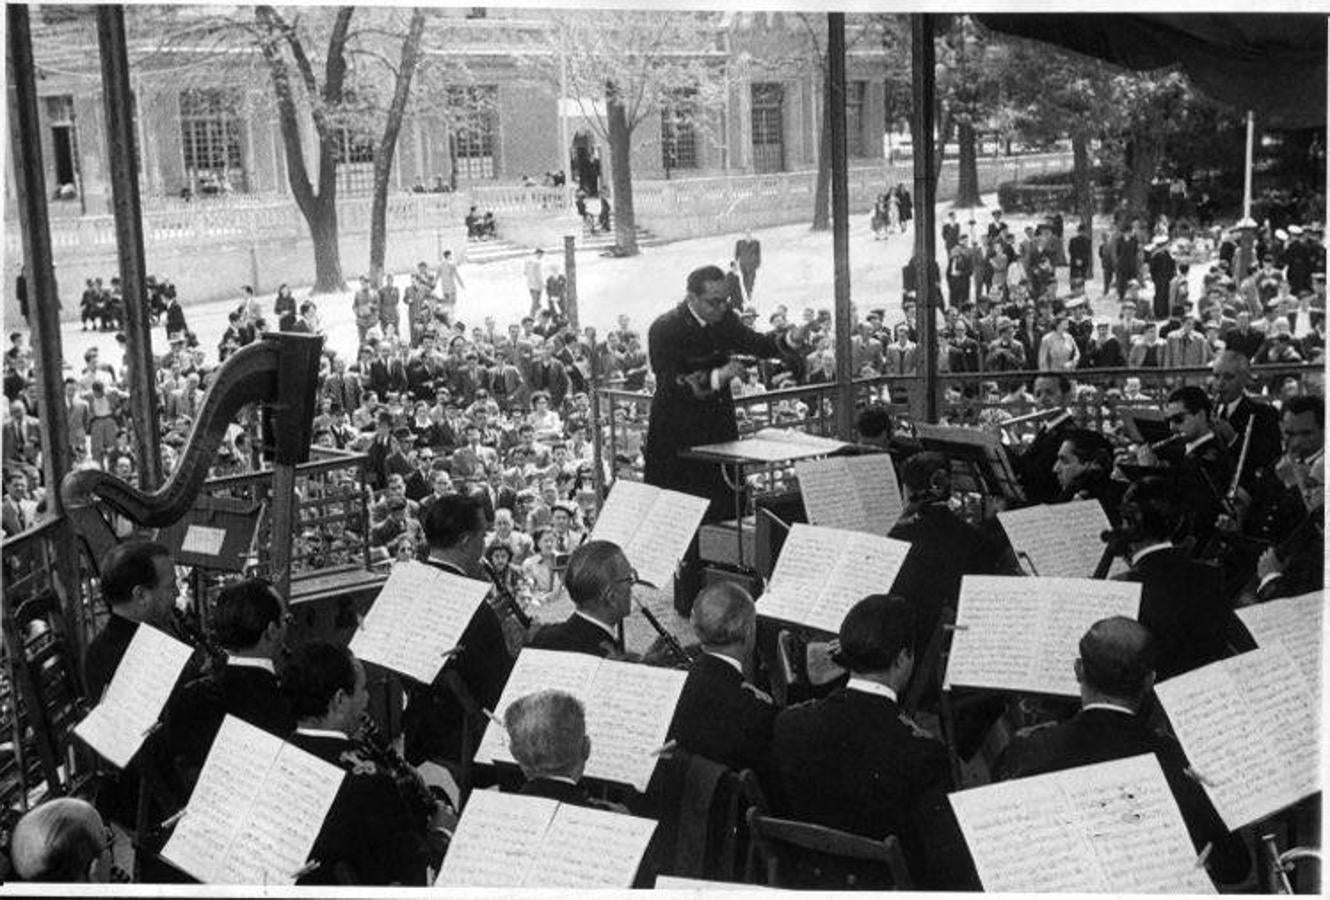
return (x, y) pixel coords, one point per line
(537, 670)
(629, 709)
(799, 438)
(831, 498)
(417, 618)
(875, 476)
(274, 841)
(626, 508)
(1061, 539)
(1248, 728)
(1021, 634)
(133, 703)
(203, 539)
(1294, 622)
(496, 840)
(663, 536)
(590, 848)
(1112, 827)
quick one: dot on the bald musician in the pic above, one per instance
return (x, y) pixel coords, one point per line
(62, 840)
(720, 714)
(1116, 672)
(1232, 378)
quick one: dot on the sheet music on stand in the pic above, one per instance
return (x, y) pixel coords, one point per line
(854, 493)
(1113, 827)
(981, 449)
(513, 841)
(1250, 731)
(1022, 634)
(256, 811)
(132, 705)
(1061, 540)
(418, 617)
(652, 526)
(629, 707)
(823, 572)
(1294, 622)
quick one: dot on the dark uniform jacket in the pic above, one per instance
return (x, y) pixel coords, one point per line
(370, 835)
(1266, 442)
(1183, 608)
(104, 653)
(574, 635)
(852, 762)
(1101, 734)
(721, 717)
(1034, 466)
(678, 345)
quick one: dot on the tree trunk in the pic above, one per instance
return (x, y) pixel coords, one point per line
(1082, 189)
(621, 138)
(1143, 154)
(387, 146)
(322, 219)
(822, 193)
(967, 184)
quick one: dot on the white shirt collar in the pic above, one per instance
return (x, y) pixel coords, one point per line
(599, 624)
(871, 687)
(1231, 408)
(1113, 706)
(251, 662)
(1192, 445)
(323, 733)
(733, 663)
(1145, 551)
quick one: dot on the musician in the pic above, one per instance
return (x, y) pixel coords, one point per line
(721, 715)
(1083, 468)
(1232, 377)
(690, 348)
(249, 623)
(1288, 512)
(61, 840)
(1203, 462)
(1034, 467)
(370, 835)
(547, 736)
(474, 677)
(600, 582)
(139, 586)
(1116, 672)
(853, 761)
(1182, 604)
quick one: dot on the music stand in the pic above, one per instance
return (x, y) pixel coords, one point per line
(217, 533)
(1145, 425)
(979, 461)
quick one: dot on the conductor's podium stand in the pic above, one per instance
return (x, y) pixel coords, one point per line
(718, 542)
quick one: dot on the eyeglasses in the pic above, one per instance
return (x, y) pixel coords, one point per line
(629, 579)
(1177, 418)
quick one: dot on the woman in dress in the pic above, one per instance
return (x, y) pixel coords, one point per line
(542, 578)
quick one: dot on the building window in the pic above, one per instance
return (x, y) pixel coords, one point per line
(355, 162)
(210, 138)
(473, 112)
(678, 133)
(768, 127)
(855, 92)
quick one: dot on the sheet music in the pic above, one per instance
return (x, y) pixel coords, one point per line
(629, 709)
(651, 525)
(856, 493)
(496, 840)
(133, 702)
(1062, 539)
(823, 572)
(800, 439)
(418, 617)
(1113, 827)
(508, 840)
(1249, 728)
(203, 540)
(679, 883)
(537, 670)
(1021, 634)
(256, 810)
(1294, 622)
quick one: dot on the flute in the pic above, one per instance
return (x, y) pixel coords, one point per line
(676, 649)
(1032, 417)
(1242, 460)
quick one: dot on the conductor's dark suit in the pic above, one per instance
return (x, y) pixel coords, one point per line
(722, 718)
(1183, 608)
(1101, 734)
(574, 635)
(852, 762)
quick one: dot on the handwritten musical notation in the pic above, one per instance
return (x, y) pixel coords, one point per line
(1062, 540)
(1250, 730)
(508, 840)
(1022, 634)
(203, 540)
(1113, 827)
(419, 615)
(256, 810)
(823, 572)
(629, 707)
(132, 705)
(1294, 622)
(651, 525)
(855, 493)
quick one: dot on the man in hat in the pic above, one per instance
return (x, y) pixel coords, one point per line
(855, 762)
(1005, 353)
(1162, 269)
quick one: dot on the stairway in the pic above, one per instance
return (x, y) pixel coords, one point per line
(501, 248)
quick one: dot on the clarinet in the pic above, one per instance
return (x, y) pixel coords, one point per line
(681, 657)
(197, 637)
(505, 595)
(419, 798)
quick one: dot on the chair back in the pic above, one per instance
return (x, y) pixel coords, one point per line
(805, 856)
(699, 805)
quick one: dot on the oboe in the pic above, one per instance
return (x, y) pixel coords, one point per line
(676, 649)
(505, 594)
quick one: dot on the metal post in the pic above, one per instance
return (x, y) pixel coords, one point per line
(282, 510)
(923, 58)
(840, 223)
(597, 456)
(1246, 171)
(570, 270)
(118, 103)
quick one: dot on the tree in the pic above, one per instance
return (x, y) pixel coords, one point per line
(621, 68)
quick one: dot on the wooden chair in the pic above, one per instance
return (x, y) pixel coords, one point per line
(699, 804)
(813, 857)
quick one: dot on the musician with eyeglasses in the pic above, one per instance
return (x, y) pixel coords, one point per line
(600, 580)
